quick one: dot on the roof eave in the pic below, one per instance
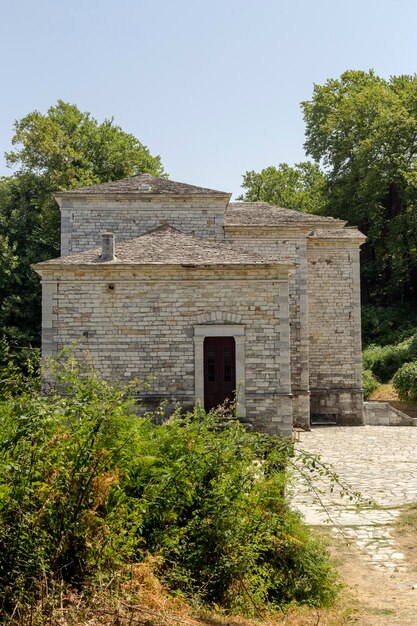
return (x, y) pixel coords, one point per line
(309, 226)
(42, 267)
(133, 195)
(340, 241)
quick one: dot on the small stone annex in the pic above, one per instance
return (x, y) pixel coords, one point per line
(210, 297)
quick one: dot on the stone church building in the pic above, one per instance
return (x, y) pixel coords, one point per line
(210, 296)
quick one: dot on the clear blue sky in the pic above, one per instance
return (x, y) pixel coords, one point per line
(212, 86)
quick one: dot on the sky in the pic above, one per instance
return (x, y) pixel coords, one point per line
(214, 87)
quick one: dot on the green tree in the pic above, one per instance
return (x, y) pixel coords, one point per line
(62, 149)
(302, 187)
(68, 149)
(363, 130)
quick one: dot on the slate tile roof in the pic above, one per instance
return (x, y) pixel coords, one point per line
(337, 233)
(165, 246)
(264, 214)
(147, 184)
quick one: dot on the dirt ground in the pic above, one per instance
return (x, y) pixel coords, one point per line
(371, 597)
(387, 393)
(368, 598)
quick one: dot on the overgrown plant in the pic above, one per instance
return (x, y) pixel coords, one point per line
(370, 383)
(62, 513)
(384, 361)
(18, 368)
(405, 382)
(88, 488)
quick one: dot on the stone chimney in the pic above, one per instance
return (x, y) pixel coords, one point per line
(108, 250)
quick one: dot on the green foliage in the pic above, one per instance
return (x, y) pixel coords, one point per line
(68, 148)
(369, 383)
(233, 539)
(63, 149)
(362, 129)
(18, 369)
(382, 325)
(61, 510)
(405, 382)
(301, 187)
(87, 487)
(390, 336)
(29, 230)
(384, 361)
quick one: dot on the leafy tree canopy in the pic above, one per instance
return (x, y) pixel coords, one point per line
(63, 149)
(363, 130)
(70, 149)
(301, 187)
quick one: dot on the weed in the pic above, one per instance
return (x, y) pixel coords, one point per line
(88, 489)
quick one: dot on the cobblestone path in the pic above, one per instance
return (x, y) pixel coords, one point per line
(381, 463)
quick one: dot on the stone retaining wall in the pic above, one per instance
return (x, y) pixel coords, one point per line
(383, 414)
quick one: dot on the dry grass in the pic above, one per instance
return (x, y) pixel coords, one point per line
(387, 393)
(405, 534)
(143, 601)
(384, 393)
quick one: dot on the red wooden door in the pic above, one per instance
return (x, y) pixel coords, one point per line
(219, 370)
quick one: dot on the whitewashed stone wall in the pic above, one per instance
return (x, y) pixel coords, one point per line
(335, 361)
(84, 218)
(144, 326)
(289, 246)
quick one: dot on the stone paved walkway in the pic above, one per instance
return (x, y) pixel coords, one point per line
(381, 463)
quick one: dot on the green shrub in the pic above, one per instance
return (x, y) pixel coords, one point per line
(384, 325)
(405, 382)
(62, 513)
(369, 383)
(18, 368)
(87, 487)
(236, 538)
(384, 361)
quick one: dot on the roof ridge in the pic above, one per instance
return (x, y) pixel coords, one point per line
(160, 228)
(144, 183)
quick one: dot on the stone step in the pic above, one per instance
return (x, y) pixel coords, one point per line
(383, 414)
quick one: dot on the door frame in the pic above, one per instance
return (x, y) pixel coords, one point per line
(237, 331)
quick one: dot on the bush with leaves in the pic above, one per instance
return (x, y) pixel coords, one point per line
(405, 382)
(384, 361)
(18, 366)
(88, 488)
(62, 512)
(233, 539)
(369, 383)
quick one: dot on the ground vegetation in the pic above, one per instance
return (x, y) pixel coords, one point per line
(89, 491)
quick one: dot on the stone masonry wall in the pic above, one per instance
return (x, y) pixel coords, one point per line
(291, 248)
(84, 219)
(143, 327)
(335, 331)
